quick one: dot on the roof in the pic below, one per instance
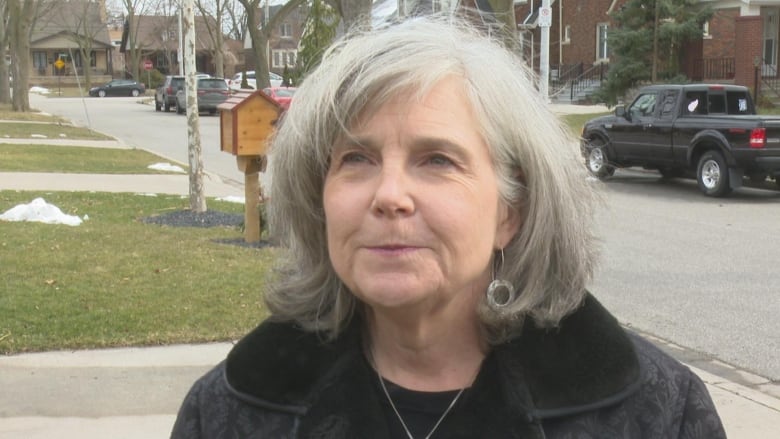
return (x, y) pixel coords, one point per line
(67, 18)
(158, 32)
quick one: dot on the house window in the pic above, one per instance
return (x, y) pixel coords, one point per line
(277, 59)
(284, 58)
(285, 30)
(93, 59)
(566, 34)
(39, 60)
(705, 30)
(602, 51)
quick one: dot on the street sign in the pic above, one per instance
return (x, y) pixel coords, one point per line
(59, 64)
(545, 16)
(148, 65)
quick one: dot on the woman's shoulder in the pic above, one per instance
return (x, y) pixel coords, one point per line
(670, 391)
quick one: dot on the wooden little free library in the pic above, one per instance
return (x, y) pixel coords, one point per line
(246, 122)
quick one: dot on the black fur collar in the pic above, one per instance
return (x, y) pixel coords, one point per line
(588, 362)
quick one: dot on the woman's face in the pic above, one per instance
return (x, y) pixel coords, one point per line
(412, 206)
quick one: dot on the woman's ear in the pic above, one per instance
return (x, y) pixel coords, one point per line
(509, 222)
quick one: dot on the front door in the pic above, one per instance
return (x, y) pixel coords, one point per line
(770, 42)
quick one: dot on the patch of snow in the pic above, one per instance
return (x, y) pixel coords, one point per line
(147, 194)
(232, 199)
(63, 135)
(41, 90)
(38, 136)
(166, 167)
(42, 212)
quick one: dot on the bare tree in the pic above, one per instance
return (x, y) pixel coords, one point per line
(21, 17)
(197, 192)
(236, 26)
(84, 25)
(354, 13)
(134, 8)
(5, 85)
(260, 35)
(214, 30)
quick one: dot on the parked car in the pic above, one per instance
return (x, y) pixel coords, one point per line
(707, 131)
(211, 92)
(251, 79)
(118, 87)
(282, 95)
(165, 96)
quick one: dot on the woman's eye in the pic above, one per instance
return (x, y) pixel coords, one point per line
(439, 160)
(353, 157)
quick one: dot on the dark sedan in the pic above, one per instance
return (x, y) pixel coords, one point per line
(211, 92)
(118, 87)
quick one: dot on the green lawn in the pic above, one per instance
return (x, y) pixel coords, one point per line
(76, 159)
(117, 281)
(21, 130)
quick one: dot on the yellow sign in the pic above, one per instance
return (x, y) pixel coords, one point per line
(59, 63)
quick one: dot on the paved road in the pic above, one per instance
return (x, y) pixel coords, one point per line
(138, 125)
(697, 271)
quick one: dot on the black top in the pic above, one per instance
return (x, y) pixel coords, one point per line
(420, 410)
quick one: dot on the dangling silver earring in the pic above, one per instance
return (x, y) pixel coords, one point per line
(500, 293)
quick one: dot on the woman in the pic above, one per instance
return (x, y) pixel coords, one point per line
(438, 223)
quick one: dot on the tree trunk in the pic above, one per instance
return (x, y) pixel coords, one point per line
(21, 14)
(219, 58)
(5, 85)
(355, 13)
(197, 193)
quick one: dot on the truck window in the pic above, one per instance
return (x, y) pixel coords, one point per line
(737, 102)
(668, 104)
(643, 106)
(716, 103)
(695, 102)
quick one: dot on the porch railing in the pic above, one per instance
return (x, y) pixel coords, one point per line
(713, 68)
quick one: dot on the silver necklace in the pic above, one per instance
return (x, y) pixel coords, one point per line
(403, 424)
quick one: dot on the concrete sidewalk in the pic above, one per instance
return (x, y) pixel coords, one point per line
(141, 183)
(134, 393)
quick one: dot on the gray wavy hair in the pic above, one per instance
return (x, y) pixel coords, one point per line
(537, 163)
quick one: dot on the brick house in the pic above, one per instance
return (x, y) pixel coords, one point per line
(284, 40)
(737, 36)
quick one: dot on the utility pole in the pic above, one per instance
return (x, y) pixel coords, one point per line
(545, 21)
(654, 75)
(179, 53)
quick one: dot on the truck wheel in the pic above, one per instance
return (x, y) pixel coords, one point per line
(712, 174)
(596, 160)
(167, 106)
(157, 106)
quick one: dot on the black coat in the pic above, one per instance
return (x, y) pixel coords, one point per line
(589, 378)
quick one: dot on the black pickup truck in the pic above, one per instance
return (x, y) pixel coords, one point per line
(708, 131)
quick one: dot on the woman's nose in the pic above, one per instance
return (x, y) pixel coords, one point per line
(392, 196)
